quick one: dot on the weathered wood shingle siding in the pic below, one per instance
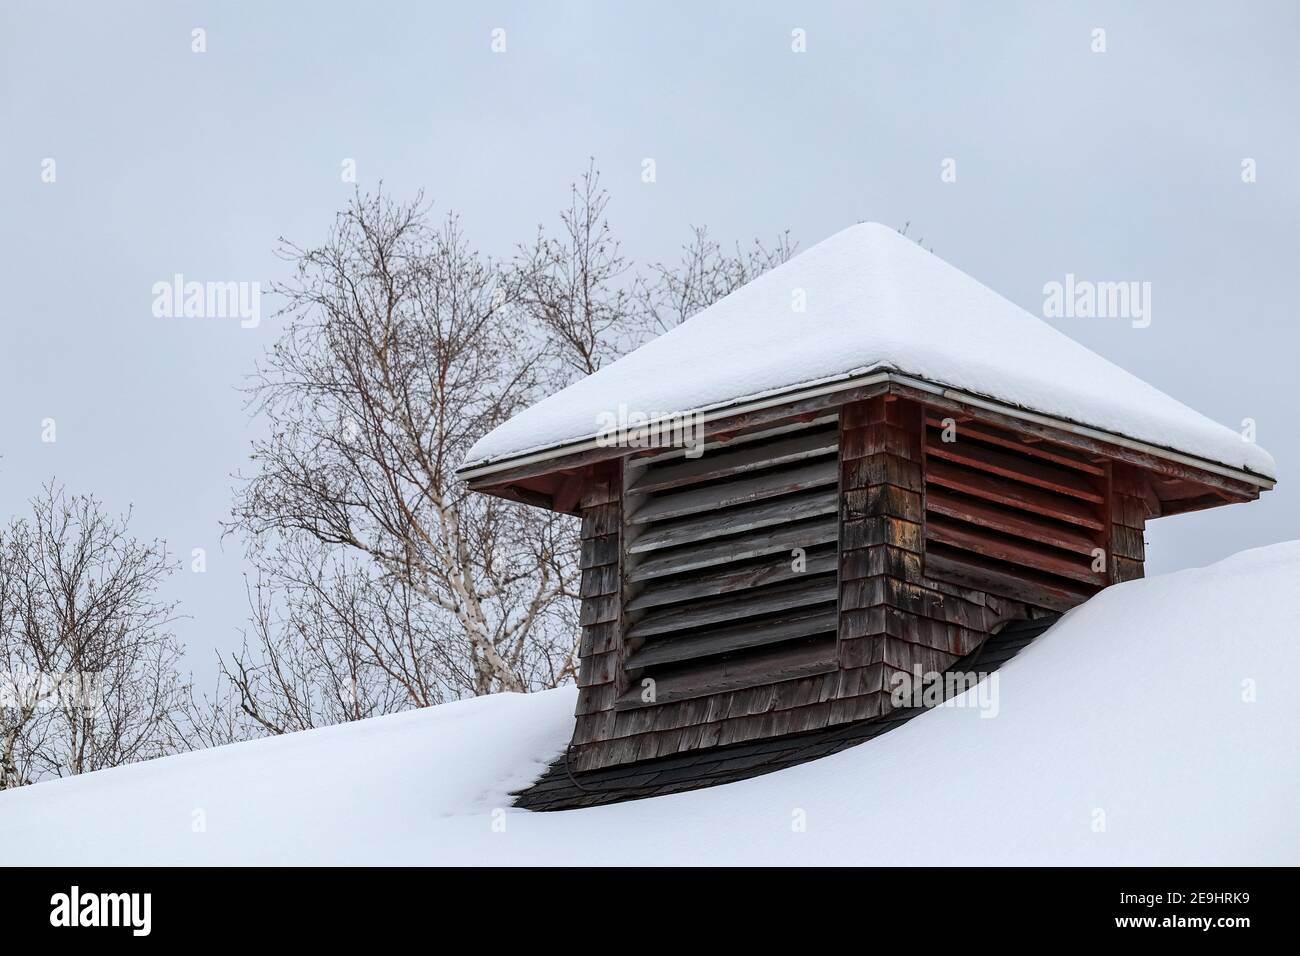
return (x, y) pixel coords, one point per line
(892, 617)
(1128, 510)
(924, 548)
(600, 648)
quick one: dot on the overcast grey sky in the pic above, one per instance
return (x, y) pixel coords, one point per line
(1122, 165)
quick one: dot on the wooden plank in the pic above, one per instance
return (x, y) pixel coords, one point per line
(808, 406)
(729, 607)
(941, 502)
(589, 728)
(596, 552)
(723, 640)
(771, 484)
(1199, 503)
(598, 638)
(858, 626)
(804, 534)
(523, 495)
(599, 609)
(599, 580)
(1017, 468)
(1008, 493)
(882, 500)
(785, 450)
(869, 412)
(710, 583)
(598, 669)
(966, 594)
(880, 560)
(855, 681)
(600, 520)
(728, 437)
(1128, 511)
(880, 438)
(1126, 569)
(870, 532)
(1127, 543)
(785, 662)
(600, 484)
(958, 535)
(591, 700)
(881, 469)
(1048, 451)
(913, 598)
(951, 565)
(898, 654)
(570, 494)
(1152, 463)
(1130, 481)
(712, 525)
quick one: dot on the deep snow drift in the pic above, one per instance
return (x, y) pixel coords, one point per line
(1165, 705)
(873, 300)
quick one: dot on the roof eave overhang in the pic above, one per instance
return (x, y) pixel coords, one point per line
(722, 412)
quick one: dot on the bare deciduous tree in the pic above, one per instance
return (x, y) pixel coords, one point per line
(203, 721)
(577, 286)
(382, 583)
(403, 346)
(337, 643)
(90, 675)
(703, 274)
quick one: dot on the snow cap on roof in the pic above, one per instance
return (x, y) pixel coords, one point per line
(871, 300)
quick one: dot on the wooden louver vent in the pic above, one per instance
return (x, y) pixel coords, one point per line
(714, 599)
(1016, 518)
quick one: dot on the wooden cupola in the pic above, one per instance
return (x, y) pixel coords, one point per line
(873, 483)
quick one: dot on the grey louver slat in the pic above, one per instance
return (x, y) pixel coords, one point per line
(725, 494)
(753, 574)
(731, 560)
(731, 461)
(783, 538)
(736, 637)
(731, 607)
(735, 520)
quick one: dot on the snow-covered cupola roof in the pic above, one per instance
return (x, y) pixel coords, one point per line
(865, 302)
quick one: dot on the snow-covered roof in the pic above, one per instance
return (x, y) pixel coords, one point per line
(864, 300)
(1185, 772)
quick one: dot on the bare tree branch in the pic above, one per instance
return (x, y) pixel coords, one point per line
(88, 665)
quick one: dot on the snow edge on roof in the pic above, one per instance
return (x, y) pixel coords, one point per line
(872, 291)
(472, 468)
